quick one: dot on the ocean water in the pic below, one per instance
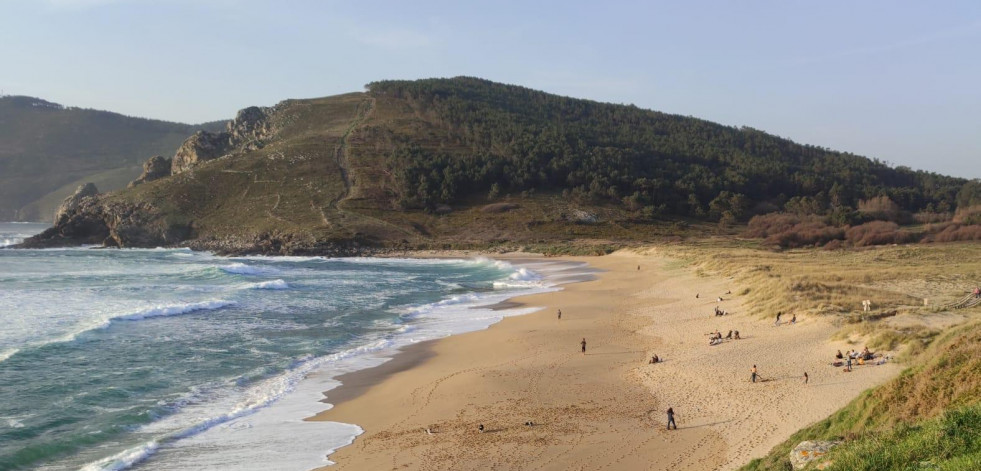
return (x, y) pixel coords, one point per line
(169, 359)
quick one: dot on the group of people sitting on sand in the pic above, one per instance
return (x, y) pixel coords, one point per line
(717, 338)
(719, 312)
(857, 357)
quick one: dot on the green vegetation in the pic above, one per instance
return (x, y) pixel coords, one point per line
(45, 148)
(927, 418)
(467, 163)
(512, 139)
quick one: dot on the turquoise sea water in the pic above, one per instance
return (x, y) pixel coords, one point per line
(172, 359)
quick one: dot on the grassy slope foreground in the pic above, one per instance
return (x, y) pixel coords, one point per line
(46, 150)
(466, 162)
(927, 418)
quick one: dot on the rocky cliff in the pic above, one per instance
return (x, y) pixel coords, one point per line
(246, 132)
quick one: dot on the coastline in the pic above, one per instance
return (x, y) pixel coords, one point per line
(604, 408)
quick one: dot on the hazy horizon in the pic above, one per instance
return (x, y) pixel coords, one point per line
(886, 80)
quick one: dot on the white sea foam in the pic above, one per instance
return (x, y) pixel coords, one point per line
(273, 284)
(103, 322)
(239, 268)
(124, 459)
(8, 353)
(172, 310)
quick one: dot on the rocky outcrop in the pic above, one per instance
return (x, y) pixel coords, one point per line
(154, 168)
(201, 147)
(250, 128)
(87, 190)
(91, 219)
(248, 131)
(806, 452)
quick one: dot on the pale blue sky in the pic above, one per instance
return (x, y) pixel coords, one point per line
(895, 80)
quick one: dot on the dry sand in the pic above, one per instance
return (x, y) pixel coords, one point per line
(605, 409)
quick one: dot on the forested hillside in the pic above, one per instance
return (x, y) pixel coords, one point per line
(522, 139)
(465, 162)
(47, 149)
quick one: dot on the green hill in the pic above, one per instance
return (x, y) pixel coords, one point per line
(467, 162)
(46, 149)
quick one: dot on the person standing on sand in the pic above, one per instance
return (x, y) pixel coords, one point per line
(671, 419)
(753, 377)
(793, 319)
(583, 343)
(805, 377)
(560, 314)
(779, 313)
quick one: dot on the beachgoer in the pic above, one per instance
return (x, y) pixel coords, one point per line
(793, 320)
(720, 299)
(560, 314)
(583, 343)
(480, 428)
(839, 355)
(671, 419)
(655, 359)
(805, 377)
(848, 364)
(729, 292)
(696, 295)
(735, 335)
(638, 267)
(779, 313)
(977, 292)
(729, 335)
(753, 377)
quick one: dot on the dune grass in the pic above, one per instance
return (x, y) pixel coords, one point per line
(927, 418)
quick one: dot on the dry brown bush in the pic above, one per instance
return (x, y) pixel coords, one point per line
(805, 234)
(957, 232)
(878, 233)
(968, 215)
(881, 207)
(772, 223)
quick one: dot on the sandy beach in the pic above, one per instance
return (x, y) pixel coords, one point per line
(604, 409)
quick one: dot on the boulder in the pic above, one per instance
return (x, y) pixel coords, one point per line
(807, 451)
(154, 168)
(71, 203)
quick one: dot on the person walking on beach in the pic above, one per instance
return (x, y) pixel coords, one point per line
(848, 364)
(753, 377)
(779, 313)
(805, 377)
(560, 314)
(671, 419)
(583, 343)
(793, 319)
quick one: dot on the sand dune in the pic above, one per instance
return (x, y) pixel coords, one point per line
(604, 409)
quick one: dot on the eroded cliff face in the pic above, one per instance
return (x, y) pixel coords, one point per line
(154, 168)
(248, 131)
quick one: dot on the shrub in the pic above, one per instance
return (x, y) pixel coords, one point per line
(968, 215)
(878, 233)
(957, 232)
(883, 208)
